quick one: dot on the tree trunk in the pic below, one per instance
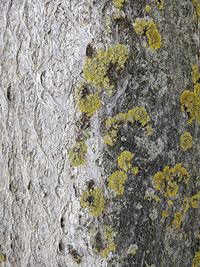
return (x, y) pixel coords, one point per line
(77, 189)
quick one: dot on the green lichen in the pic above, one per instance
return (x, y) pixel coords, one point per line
(196, 4)
(196, 260)
(186, 141)
(93, 200)
(116, 182)
(150, 29)
(133, 116)
(124, 160)
(160, 4)
(119, 3)
(87, 103)
(2, 257)
(96, 69)
(77, 154)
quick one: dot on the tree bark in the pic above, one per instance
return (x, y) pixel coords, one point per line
(44, 47)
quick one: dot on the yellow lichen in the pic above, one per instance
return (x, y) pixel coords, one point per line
(160, 4)
(93, 200)
(158, 180)
(186, 141)
(133, 249)
(195, 74)
(117, 181)
(135, 170)
(149, 28)
(138, 114)
(2, 257)
(196, 260)
(96, 69)
(77, 154)
(87, 103)
(190, 103)
(147, 9)
(165, 214)
(151, 197)
(185, 205)
(124, 160)
(119, 3)
(178, 217)
(111, 247)
(196, 4)
(172, 190)
(195, 200)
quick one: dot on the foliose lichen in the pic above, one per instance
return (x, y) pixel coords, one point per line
(196, 4)
(96, 69)
(2, 257)
(147, 9)
(196, 260)
(124, 160)
(195, 200)
(137, 114)
(160, 4)
(87, 103)
(119, 3)
(94, 201)
(178, 217)
(116, 182)
(190, 101)
(148, 28)
(186, 141)
(103, 241)
(135, 170)
(77, 154)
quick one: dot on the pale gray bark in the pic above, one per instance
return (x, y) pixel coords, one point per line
(43, 48)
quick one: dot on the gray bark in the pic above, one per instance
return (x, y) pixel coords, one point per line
(43, 49)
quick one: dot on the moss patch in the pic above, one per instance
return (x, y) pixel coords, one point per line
(150, 29)
(93, 200)
(77, 154)
(96, 69)
(186, 141)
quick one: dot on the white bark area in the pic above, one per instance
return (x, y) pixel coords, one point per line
(43, 47)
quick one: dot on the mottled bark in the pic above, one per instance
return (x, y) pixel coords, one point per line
(43, 50)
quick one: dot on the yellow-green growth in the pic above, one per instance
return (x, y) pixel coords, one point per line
(138, 114)
(119, 3)
(108, 236)
(77, 154)
(186, 141)
(149, 28)
(111, 137)
(196, 4)
(195, 200)
(135, 170)
(190, 103)
(195, 73)
(168, 180)
(178, 217)
(96, 69)
(147, 9)
(87, 103)
(186, 204)
(165, 214)
(93, 200)
(117, 181)
(196, 260)
(2, 257)
(160, 4)
(124, 160)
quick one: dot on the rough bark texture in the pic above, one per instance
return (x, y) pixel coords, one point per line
(43, 49)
